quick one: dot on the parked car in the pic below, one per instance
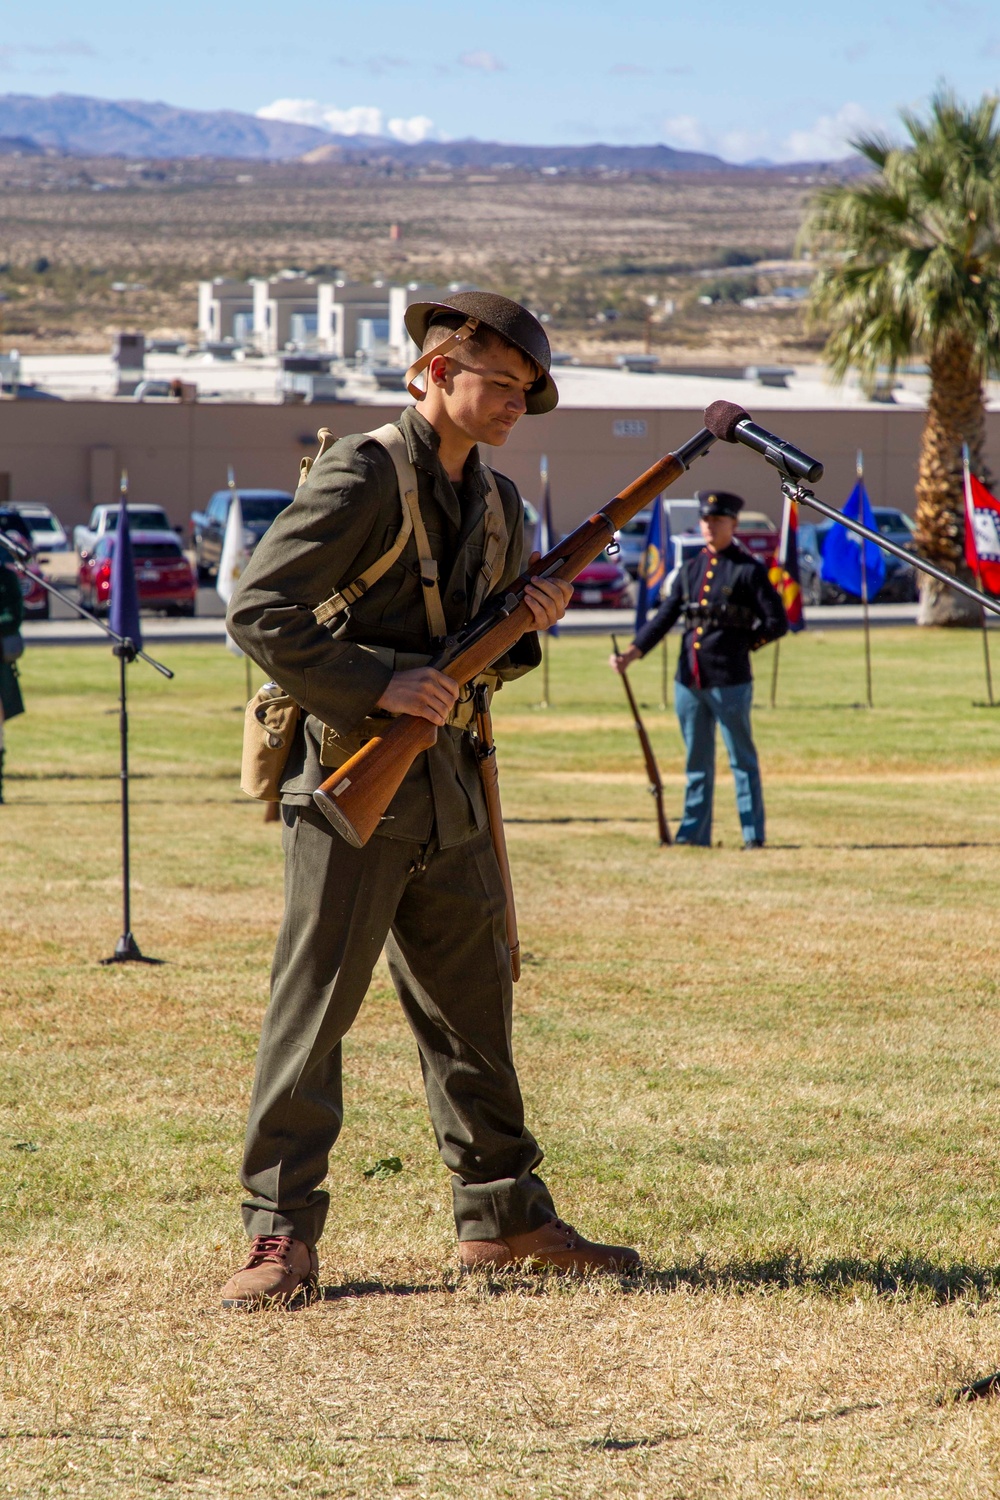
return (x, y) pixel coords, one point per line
(47, 534)
(682, 516)
(758, 534)
(900, 583)
(104, 518)
(603, 584)
(36, 599)
(163, 574)
(208, 526)
(682, 549)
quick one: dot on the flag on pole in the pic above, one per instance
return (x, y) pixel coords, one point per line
(123, 607)
(653, 562)
(982, 533)
(784, 569)
(545, 532)
(842, 549)
(235, 556)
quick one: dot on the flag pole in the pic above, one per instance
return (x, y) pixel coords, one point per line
(231, 482)
(774, 675)
(966, 471)
(864, 595)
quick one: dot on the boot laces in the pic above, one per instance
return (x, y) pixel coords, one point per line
(572, 1238)
(276, 1247)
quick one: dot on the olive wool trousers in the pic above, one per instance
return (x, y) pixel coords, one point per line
(439, 913)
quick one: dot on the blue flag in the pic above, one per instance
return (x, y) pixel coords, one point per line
(545, 533)
(123, 613)
(842, 549)
(653, 565)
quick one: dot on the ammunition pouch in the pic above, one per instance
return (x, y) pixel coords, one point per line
(718, 616)
(268, 730)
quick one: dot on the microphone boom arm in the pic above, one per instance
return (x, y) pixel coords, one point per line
(794, 491)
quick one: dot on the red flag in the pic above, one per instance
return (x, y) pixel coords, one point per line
(982, 533)
(784, 569)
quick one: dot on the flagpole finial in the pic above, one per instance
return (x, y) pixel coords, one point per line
(859, 464)
(543, 468)
(231, 476)
(123, 483)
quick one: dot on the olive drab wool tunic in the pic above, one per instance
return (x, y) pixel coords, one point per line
(343, 518)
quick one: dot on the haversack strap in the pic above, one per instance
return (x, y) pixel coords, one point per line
(495, 544)
(393, 441)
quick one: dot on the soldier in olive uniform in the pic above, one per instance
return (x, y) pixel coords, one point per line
(427, 885)
(730, 608)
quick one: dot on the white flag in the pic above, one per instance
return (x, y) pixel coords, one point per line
(235, 556)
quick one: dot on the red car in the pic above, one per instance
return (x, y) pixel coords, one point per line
(163, 575)
(603, 584)
(758, 535)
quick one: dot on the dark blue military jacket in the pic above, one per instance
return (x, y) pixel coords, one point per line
(730, 608)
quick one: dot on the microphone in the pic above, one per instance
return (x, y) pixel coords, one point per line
(732, 424)
(18, 546)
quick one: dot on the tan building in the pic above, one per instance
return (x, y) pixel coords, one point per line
(69, 454)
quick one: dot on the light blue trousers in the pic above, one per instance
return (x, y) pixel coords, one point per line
(699, 710)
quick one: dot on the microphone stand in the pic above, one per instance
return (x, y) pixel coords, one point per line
(126, 948)
(793, 490)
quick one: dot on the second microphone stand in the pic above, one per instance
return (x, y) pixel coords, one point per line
(126, 949)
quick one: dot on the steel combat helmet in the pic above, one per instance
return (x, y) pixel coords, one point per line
(508, 319)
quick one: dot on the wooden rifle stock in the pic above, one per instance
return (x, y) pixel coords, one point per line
(355, 797)
(652, 769)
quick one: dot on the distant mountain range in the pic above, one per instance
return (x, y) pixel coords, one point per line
(79, 126)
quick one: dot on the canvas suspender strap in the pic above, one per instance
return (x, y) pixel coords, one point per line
(495, 545)
(393, 441)
(460, 335)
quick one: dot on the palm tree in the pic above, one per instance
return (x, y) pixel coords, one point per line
(912, 268)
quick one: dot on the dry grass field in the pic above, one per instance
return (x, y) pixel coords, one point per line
(776, 1073)
(572, 246)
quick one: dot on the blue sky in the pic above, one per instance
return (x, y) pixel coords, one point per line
(786, 81)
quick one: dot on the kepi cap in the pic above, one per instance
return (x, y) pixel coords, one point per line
(718, 503)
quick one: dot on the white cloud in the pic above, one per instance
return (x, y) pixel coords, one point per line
(485, 62)
(686, 133)
(358, 119)
(829, 138)
(412, 131)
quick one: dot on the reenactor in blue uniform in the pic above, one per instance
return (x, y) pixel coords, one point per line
(730, 608)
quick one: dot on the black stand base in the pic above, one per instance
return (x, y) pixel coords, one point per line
(127, 952)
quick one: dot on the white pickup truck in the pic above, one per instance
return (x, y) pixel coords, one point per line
(104, 518)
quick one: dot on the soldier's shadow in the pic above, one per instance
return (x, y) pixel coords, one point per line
(898, 1277)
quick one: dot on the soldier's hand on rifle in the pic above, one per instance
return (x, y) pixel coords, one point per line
(624, 661)
(547, 598)
(423, 691)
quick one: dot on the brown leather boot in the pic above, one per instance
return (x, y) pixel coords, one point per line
(556, 1246)
(279, 1270)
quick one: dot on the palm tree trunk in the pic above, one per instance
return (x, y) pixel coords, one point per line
(955, 415)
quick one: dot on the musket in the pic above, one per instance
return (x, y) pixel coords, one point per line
(355, 797)
(486, 752)
(652, 769)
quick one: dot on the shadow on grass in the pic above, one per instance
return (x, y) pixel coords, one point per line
(903, 1277)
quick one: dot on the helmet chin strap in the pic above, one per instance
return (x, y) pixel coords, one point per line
(460, 335)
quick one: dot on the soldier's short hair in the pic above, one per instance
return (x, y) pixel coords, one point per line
(447, 322)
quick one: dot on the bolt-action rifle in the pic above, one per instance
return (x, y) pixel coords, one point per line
(652, 769)
(355, 797)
